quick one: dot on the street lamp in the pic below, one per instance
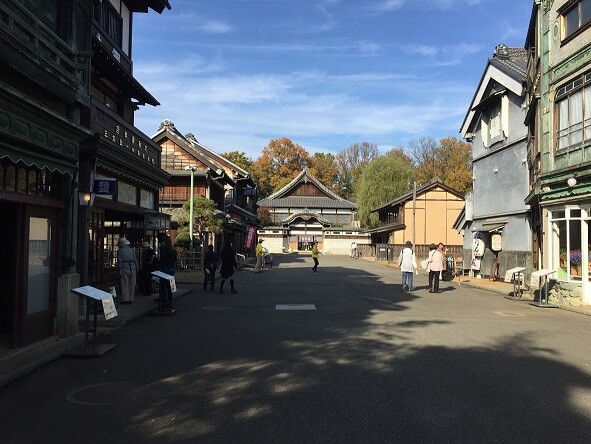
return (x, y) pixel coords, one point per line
(191, 168)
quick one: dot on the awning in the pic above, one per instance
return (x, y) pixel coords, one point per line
(490, 226)
(38, 160)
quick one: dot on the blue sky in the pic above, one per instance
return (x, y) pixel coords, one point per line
(324, 73)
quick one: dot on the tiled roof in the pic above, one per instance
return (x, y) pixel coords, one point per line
(305, 202)
(511, 60)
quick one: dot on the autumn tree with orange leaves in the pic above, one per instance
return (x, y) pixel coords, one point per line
(280, 162)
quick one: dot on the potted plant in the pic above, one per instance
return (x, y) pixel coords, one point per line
(575, 262)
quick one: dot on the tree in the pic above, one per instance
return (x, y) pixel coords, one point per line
(456, 156)
(280, 161)
(350, 163)
(324, 168)
(264, 216)
(204, 220)
(240, 159)
(424, 154)
(448, 160)
(382, 180)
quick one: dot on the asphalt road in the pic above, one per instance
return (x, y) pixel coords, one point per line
(367, 364)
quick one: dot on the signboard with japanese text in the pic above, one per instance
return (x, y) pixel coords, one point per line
(104, 187)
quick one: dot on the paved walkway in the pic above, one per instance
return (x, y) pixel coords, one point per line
(15, 363)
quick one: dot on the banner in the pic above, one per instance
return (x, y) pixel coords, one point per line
(249, 240)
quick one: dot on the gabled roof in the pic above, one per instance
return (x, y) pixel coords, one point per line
(421, 189)
(282, 198)
(169, 131)
(507, 67)
(191, 144)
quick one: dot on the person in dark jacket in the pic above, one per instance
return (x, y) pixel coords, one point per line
(149, 264)
(168, 257)
(209, 266)
(228, 258)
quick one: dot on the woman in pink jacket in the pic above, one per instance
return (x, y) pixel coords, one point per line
(436, 266)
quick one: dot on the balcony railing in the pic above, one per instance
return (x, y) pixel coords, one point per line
(58, 61)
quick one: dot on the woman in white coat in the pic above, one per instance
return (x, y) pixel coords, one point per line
(408, 264)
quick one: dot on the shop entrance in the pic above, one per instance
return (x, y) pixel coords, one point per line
(8, 265)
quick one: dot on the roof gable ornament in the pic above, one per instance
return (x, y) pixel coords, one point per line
(166, 123)
(547, 4)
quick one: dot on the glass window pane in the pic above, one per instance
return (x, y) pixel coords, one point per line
(575, 250)
(126, 193)
(563, 127)
(38, 284)
(585, 11)
(575, 117)
(572, 21)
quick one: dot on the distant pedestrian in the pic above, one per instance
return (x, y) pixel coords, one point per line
(315, 253)
(228, 259)
(260, 252)
(128, 268)
(209, 267)
(436, 264)
(408, 265)
(168, 258)
(354, 249)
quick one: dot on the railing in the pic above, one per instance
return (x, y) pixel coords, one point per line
(58, 60)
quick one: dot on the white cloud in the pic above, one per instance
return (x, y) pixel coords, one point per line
(313, 109)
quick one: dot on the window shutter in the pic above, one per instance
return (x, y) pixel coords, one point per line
(484, 130)
(505, 115)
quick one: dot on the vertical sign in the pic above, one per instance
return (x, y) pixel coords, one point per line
(249, 241)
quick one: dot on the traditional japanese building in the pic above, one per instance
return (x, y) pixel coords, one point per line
(305, 211)
(422, 216)
(67, 97)
(213, 177)
(494, 125)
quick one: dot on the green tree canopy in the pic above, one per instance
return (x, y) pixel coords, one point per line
(350, 163)
(382, 180)
(204, 219)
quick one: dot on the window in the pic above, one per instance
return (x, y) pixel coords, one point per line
(494, 123)
(110, 20)
(126, 193)
(575, 18)
(570, 233)
(573, 108)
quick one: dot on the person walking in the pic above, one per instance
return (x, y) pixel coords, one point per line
(315, 254)
(408, 265)
(259, 251)
(128, 268)
(435, 267)
(209, 266)
(168, 258)
(354, 249)
(228, 259)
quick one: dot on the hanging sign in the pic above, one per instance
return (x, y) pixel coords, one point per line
(496, 242)
(104, 187)
(478, 248)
